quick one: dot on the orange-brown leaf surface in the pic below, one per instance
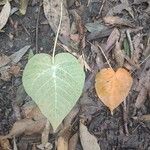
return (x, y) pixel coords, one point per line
(113, 87)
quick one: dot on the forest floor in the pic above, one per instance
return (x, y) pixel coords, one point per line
(95, 24)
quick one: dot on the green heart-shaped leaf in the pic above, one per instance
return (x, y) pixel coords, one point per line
(55, 87)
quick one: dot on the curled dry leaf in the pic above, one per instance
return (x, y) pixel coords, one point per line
(115, 20)
(113, 87)
(27, 127)
(119, 55)
(119, 8)
(52, 9)
(137, 49)
(4, 14)
(114, 36)
(88, 141)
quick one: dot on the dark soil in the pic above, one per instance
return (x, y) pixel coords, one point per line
(118, 132)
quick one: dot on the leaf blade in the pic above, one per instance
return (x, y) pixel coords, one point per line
(113, 87)
(58, 85)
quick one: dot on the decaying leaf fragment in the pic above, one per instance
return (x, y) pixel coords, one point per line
(8, 64)
(143, 88)
(52, 9)
(119, 8)
(23, 6)
(2, 2)
(115, 20)
(113, 87)
(114, 36)
(4, 60)
(119, 55)
(4, 14)
(88, 141)
(26, 126)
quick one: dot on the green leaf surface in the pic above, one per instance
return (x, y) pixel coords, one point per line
(126, 47)
(54, 87)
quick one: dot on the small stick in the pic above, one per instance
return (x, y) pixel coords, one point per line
(104, 56)
(144, 60)
(89, 1)
(37, 30)
(55, 43)
(125, 117)
(102, 6)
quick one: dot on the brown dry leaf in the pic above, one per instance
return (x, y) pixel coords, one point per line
(31, 110)
(4, 60)
(119, 55)
(99, 58)
(143, 118)
(65, 130)
(113, 87)
(73, 142)
(137, 49)
(79, 25)
(8, 65)
(75, 38)
(14, 70)
(115, 20)
(45, 136)
(52, 9)
(4, 73)
(114, 36)
(4, 14)
(4, 144)
(143, 1)
(143, 86)
(62, 144)
(27, 127)
(119, 8)
(88, 141)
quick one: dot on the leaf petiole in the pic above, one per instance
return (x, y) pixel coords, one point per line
(58, 30)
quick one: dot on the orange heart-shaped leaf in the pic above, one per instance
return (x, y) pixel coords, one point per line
(113, 87)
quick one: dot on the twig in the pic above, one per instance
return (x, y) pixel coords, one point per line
(125, 117)
(100, 10)
(130, 41)
(25, 28)
(89, 1)
(104, 56)
(144, 60)
(55, 43)
(37, 30)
